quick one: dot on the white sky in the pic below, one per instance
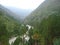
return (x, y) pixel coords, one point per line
(23, 4)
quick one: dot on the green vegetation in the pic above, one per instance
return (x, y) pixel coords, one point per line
(18, 41)
(9, 27)
(45, 21)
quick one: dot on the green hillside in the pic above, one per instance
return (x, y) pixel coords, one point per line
(9, 26)
(46, 20)
(47, 8)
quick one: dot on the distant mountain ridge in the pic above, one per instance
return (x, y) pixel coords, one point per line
(16, 13)
(20, 13)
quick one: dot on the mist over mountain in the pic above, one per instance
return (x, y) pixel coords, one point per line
(38, 27)
(20, 13)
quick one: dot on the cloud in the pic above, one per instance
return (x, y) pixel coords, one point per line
(24, 4)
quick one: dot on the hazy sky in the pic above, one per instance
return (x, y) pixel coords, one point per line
(23, 4)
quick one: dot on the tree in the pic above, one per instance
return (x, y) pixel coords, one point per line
(50, 27)
(3, 35)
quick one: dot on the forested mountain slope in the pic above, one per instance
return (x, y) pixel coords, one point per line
(9, 13)
(48, 7)
(46, 19)
(9, 27)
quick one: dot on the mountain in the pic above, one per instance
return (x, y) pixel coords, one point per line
(6, 12)
(46, 20)
(20, 13)
(48, 7)
(9, 26)
(8, 15)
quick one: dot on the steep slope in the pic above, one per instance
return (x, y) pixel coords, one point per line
(7, 19)
(48, 7)
(8, 26)
(46, 20)
(9, 13)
